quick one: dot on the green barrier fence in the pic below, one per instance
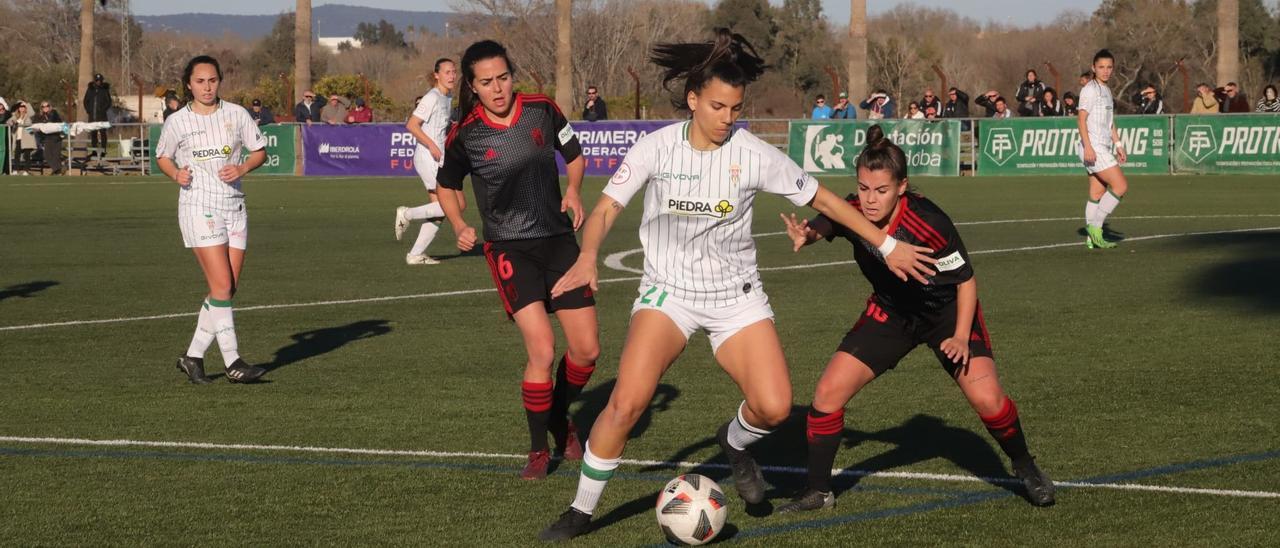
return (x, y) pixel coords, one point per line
(1049, 146)
(831, 147)
(1227, 144)
(281, 149)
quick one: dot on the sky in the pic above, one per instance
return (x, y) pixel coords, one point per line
(1015, 12)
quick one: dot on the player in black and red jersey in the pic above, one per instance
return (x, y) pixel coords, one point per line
(507, 142)
(900, 315)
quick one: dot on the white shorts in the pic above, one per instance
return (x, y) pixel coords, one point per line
(426, 166)
(205, 227)
(720, 323)
(1105, 160)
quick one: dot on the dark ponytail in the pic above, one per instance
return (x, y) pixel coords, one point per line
(729, 58)
(880, 153)
(479, 51)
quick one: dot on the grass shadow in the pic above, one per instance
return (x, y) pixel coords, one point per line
(26, 290)
(309, 344)
(1248, 278)
(1110, 234)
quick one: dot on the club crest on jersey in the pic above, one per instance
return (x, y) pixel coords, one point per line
(208, 221)
(691, 206)
(537, 137)
(735, 174)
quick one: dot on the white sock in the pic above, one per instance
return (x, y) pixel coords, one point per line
(225, 329)
(742, 434)
(425, 235)
(591, 481)
(1106, 205)
(426, 211)
(1091, 213)
(204, 333)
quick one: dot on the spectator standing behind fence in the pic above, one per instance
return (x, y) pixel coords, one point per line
(1047, 105)
(1205, 102)
(1149, 101)
(97, 100)
(1030, 90)
(843, 110)
(1231, 99)
(334, 113)
(50, 143)
(878, 105)
(957, 104)
(821, 111)
(361, 114)
(595, 110)
(1268, 102)
(23, 141)
(990, 101)
(1070, 104)
(5, 112)
(913, 112)
(261, 115)
(930, 100)
(307, 111)
(1085, 77)
(171, 105)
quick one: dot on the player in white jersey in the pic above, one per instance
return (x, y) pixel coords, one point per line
(200, 149)
(700, 271)
(1100, 150)
(429, 124)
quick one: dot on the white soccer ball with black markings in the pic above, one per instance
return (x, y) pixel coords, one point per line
(691, 510)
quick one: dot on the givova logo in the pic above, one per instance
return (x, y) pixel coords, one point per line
(693, 206)
(1002, 144)
(823, 150)
(1199, 142)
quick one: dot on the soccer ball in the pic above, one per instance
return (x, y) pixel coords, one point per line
(691, 509)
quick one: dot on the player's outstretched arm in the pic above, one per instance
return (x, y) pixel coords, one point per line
(902, 259)
(583, 271)
(799, 231)
(449, 199)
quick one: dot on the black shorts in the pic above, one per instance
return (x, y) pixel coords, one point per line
(884, 335)
(526, 270)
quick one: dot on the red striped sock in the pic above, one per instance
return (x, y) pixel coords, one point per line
(537, 411)
(1006, 427)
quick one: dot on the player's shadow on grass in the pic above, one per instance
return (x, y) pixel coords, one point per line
(476, 251)
(26, 290)
(1249, 277)
(920, 438)
(1110, 234)
(309, 344)
(594, 400)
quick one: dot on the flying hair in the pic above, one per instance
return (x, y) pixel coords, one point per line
(729, 58)
(881, 154)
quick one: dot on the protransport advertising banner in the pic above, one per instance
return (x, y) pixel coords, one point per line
(831, 147)
(281, 150)
(1050, 146)
(1234, 143)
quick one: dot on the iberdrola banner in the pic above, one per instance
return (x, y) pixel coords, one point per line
(831, 147)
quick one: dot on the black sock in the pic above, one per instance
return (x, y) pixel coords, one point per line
(537, 410)
(1006, 427)
(570, 379)
(823, 431)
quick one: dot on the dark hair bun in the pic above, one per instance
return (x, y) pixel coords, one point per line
(875, 137)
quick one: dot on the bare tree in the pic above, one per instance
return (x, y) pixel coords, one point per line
(86, 52)
(857, 66)
(1228, 39)
(564, 55)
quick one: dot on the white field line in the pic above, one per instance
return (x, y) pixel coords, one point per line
(629, 462)
(611, 261)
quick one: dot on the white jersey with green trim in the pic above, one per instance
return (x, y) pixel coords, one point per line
(206, 143)
(696, 228)
(1095, 98)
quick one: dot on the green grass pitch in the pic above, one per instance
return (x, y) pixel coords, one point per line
(1151, 365)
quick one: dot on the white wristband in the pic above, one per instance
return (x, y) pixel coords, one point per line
(887, 246)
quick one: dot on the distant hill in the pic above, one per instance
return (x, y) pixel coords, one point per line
(327, 20)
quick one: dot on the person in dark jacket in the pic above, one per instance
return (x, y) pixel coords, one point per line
(1231, 99)
(1149, 101)
(988, 101)
(260, 114)
(930, 100)
(307, 111)
(50, 144)
(595, 110)
(1030, 90)
(957, 104)
(1070, 104)
(171, 105)
(97, 100)
(1047, 105)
